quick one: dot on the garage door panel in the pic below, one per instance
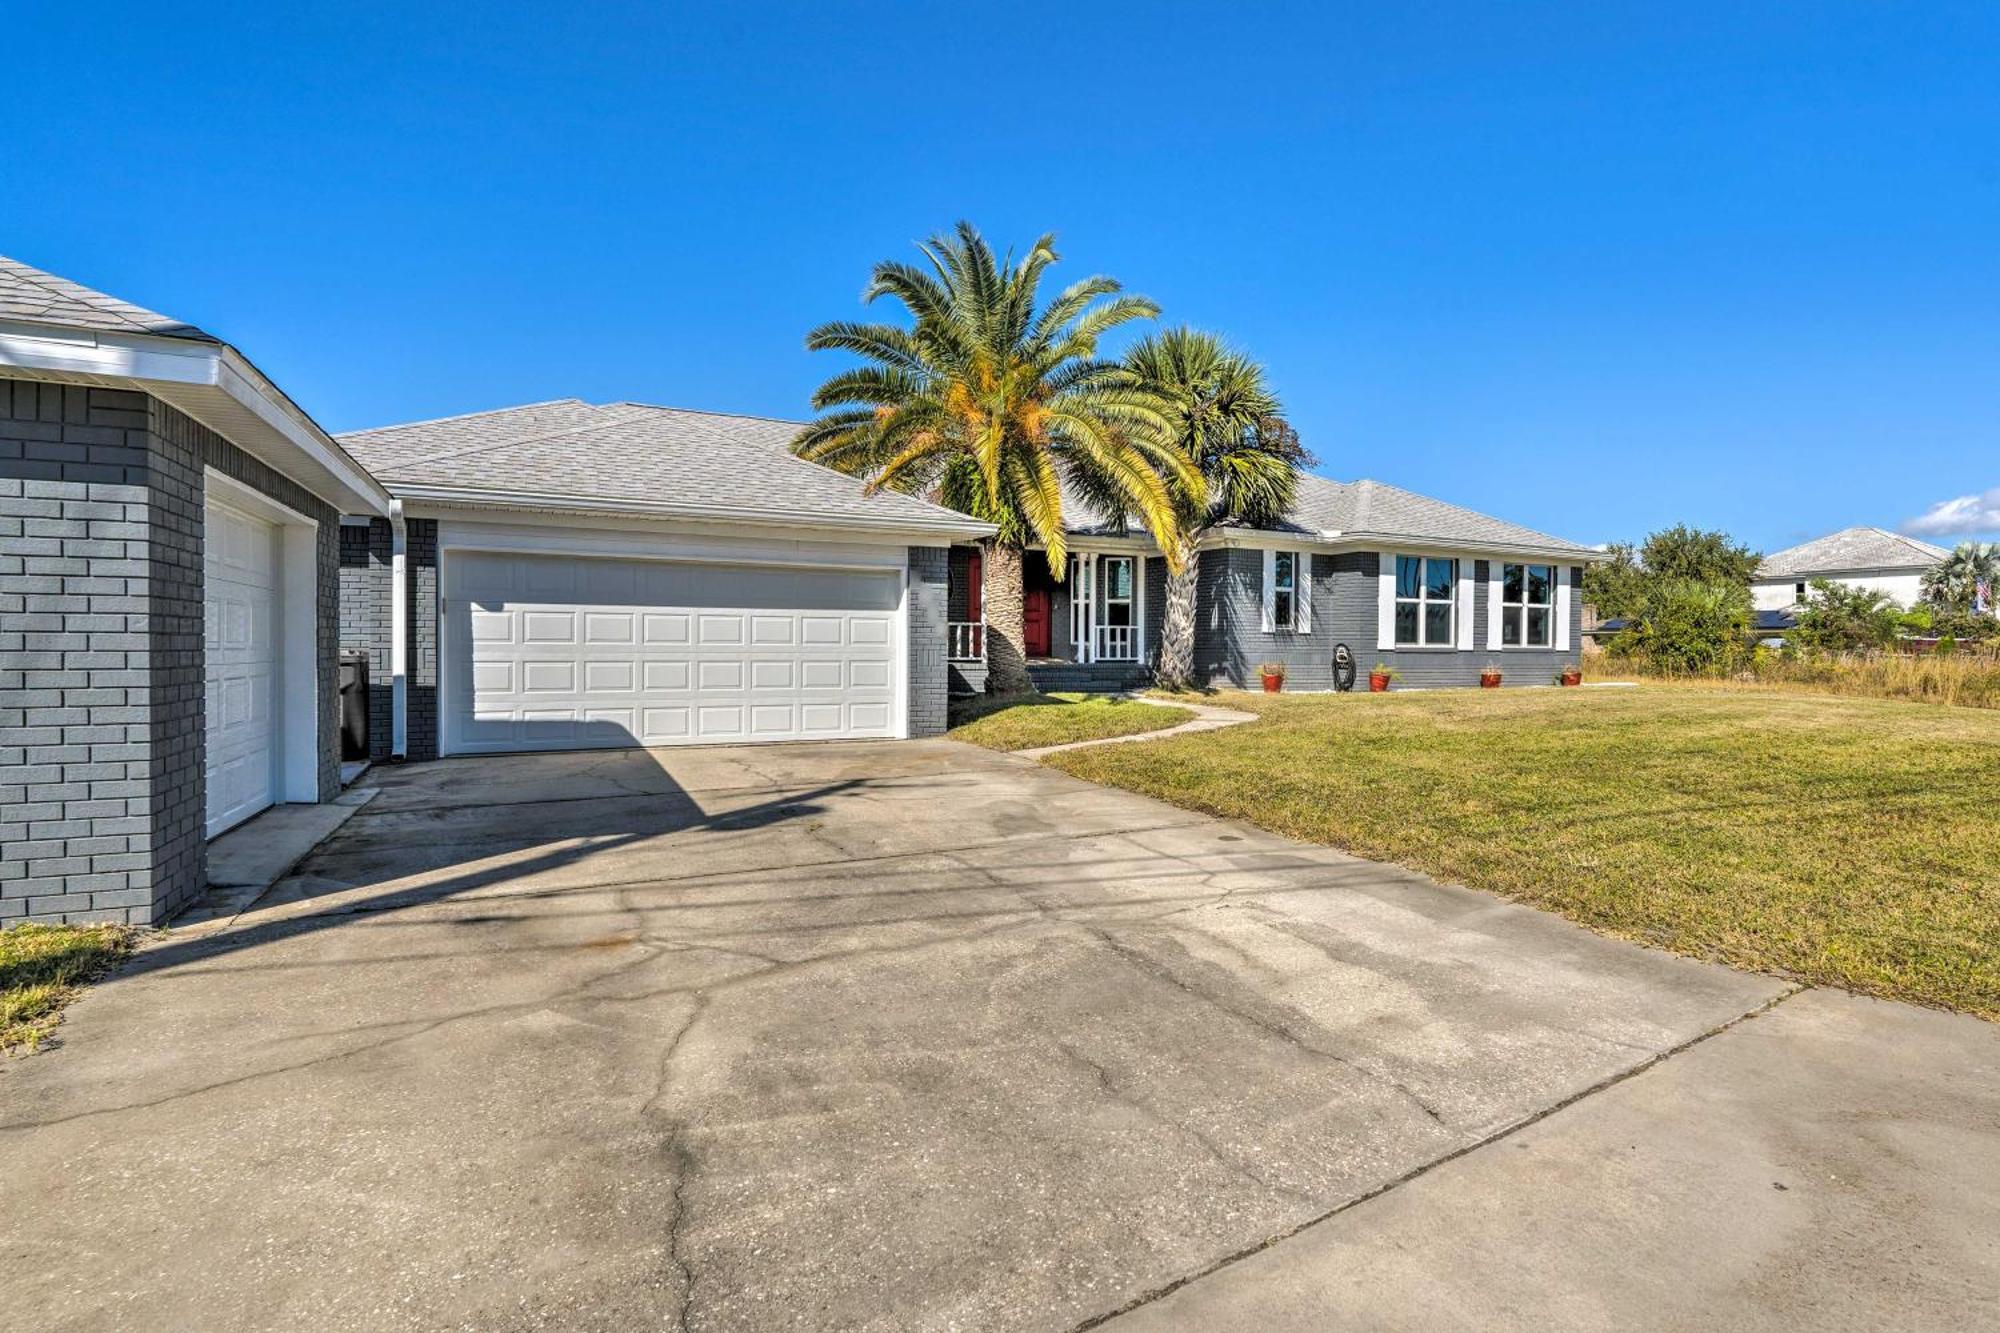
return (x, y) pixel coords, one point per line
(675, 653)
(240, 660)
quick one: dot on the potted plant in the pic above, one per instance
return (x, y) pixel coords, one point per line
(1489, 676)
(1570, 675)
(1380, 676)
(1274, 676)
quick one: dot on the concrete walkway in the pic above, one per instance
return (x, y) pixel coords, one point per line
(912, 1035)
(1207, 717)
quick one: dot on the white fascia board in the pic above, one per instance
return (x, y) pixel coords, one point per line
(943, 530)
(163, 365)
(247, 385)
(1331, 540)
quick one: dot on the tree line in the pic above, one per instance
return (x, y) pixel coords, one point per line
(1684, 595)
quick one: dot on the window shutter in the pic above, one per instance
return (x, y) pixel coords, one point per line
(1270, 591)
(1302, 591)
(1496, 592)
(1466, 583)
(1562, 608)
(1385, 601)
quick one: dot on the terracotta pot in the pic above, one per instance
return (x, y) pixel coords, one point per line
(1572, 675)
(1378, 682)
(1272, 684)
(1489, 680)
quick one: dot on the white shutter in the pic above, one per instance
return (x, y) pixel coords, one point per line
(1496, 591)
(1302, 591)
(1562, 608)
(1270, 591)
(1385, 601)
(1466, 584)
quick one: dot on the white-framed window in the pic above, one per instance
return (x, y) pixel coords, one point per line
(1287, 592)
(1426, 602)
(1527, 606)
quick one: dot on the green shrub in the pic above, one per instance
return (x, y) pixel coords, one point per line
(1689, 628)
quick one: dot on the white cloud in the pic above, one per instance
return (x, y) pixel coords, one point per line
(1952, 518)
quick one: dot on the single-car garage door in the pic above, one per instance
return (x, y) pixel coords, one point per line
(239, 634)
(561, 652)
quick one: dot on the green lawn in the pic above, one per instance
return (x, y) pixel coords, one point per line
(1055, 719)
(1853, 842)
(42, 968)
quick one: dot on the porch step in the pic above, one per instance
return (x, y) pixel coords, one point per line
(1093, 678)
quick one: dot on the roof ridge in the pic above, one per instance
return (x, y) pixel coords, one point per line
(514, 441)
(459, 416)
(704, 412)
(1463, 509)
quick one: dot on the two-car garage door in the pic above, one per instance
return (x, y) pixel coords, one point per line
(560, 652)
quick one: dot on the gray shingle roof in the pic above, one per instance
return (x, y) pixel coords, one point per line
(29, 294)
(1373, 509)
(1850, 549)
(631, 453)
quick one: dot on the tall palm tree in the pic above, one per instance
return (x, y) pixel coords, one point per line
(1953, 583)
(993, 405)
(1229, 427)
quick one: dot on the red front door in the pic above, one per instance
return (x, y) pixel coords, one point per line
(1035, 622)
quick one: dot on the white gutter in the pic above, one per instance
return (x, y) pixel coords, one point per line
(945, 525)
(211, 382)
(399, 634)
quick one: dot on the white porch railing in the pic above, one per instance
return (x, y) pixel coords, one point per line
(967, 641)
(1117, 643)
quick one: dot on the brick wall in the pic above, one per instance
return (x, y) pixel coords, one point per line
(102, 781)
(421, 568)
(1230, 640)
(365, 584)
(928, 684)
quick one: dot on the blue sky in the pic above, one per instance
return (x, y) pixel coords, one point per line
(1597, 268)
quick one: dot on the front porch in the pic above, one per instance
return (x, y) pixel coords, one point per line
(1086, 632)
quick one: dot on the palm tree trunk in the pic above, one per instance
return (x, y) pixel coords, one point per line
(1176, 670)
(1006, 663)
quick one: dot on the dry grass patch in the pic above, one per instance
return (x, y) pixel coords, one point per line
(1057, 719)
(1842, 841)
(42, 968)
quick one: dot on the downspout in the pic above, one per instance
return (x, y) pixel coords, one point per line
(399, 634)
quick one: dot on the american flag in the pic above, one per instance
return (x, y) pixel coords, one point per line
(1982, 596)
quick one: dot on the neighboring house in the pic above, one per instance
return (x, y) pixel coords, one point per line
(168, 589)
(1887, 562)
(578, 575)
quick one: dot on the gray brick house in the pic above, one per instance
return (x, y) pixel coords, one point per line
(185, 557)
(168, 601)
(578, 575)
(1431, 589)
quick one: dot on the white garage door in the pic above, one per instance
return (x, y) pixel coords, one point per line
(239, 622)
(561, 652)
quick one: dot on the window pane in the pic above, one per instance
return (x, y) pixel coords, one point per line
(1408, 575)
(1281, 609)
(1437, 623)
(1118, 578)
(1438, 575)
(1118, 613)
(1406, 622)
(1541, 582)
(1281, 569)
(1510, 626)
(1511, 582)
(1538, 626)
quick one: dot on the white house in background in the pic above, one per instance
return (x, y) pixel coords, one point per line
(1888, 562)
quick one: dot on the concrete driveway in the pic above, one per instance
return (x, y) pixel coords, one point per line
(912, 1036)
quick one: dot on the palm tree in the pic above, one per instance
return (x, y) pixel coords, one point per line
(1228, 426)
(993, 405)
(1953, 583)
